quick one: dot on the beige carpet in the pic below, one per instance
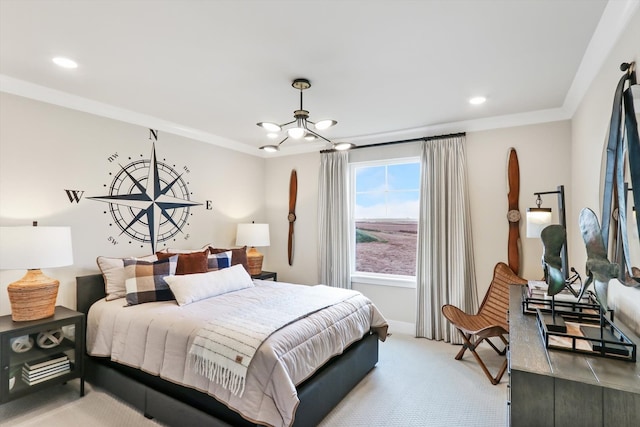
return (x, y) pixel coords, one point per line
(416, 383)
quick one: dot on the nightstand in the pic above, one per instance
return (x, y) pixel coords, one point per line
(38, 353)
(266, 275)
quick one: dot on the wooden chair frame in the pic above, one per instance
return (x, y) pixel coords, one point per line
(490, 321)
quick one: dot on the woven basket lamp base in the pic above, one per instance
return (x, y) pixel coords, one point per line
(254, 260)
(33, 297)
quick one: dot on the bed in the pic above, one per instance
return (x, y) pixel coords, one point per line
(163, 395)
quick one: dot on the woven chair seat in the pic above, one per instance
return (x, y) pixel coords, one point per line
(474, 324)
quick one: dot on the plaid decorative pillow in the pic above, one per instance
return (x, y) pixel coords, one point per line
(145, 280)
(188, 263)
(219, 261)
(238, 255)
(113, 273)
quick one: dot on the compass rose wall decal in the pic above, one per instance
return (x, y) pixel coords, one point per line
(148, 199)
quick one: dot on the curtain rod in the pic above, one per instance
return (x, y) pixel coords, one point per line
(424, 138)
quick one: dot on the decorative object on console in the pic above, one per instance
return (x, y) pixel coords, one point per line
(34, 296)
(599, 270)
(538, 218)
(301, 128)
(623, 151)
(253, 235)
(554, 239)
(49, 339)
(513, 215)
(21, 344)
(555, 259)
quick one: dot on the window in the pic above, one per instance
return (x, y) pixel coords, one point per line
(384, 223)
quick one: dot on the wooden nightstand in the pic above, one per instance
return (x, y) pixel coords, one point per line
(35, 366)
(266, 275)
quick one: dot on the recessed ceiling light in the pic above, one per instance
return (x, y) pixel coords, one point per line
(65, 62)
(477, 100)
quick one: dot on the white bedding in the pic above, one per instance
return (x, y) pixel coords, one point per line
(156, 338)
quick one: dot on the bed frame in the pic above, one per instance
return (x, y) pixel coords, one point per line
(181, 406)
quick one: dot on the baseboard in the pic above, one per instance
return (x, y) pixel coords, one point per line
(405, 328)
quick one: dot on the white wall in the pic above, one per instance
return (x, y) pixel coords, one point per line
(305, 241)
(543, 153)
(544, 162)
(46, 149)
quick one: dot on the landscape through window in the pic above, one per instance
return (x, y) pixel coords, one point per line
(386, 207)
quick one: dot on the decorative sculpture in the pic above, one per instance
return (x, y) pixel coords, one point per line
(614, 200)
(553, 238)
(599, 269)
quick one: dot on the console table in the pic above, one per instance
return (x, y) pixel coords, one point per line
(559, 388)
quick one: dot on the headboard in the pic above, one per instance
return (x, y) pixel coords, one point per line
(89, 289)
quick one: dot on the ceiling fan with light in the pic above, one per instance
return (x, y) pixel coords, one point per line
(301, 128)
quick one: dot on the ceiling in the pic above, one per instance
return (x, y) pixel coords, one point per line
(385, 70)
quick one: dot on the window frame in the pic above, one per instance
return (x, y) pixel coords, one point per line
(396, 280)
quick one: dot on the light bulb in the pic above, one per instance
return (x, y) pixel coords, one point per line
(325, 124)
(65, 62)
(271, 127)
(270, 148)
(296, 133)
(342, 146)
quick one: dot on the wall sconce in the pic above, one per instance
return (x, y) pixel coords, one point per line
(538, 218)
(32, 248)
(253, 235)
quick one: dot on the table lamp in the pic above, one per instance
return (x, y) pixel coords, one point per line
(34, 296)
(253, 235)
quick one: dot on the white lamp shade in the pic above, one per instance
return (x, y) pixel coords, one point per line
(31, 248)
(537, 220)
(296, 133)
(252, 235)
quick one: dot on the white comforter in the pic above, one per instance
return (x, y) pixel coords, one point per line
(156, 338)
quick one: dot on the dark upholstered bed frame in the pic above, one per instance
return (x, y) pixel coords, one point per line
(181, 406)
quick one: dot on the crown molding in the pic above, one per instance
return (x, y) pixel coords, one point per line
(52, 96)
(613, 22)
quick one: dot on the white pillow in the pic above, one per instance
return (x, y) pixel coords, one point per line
(190, 288)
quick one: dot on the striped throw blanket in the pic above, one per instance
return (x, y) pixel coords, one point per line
(222, 351)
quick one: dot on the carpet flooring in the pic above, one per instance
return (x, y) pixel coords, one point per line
(416, 383)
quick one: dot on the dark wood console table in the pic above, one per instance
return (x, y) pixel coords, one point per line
(558, 388)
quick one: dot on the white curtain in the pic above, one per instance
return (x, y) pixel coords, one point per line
(333, 219)
(445, 270)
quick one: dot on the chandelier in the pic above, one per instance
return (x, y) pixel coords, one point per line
(300, 127)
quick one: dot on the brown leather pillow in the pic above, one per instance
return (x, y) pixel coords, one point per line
(238, 255)
(195, 262)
